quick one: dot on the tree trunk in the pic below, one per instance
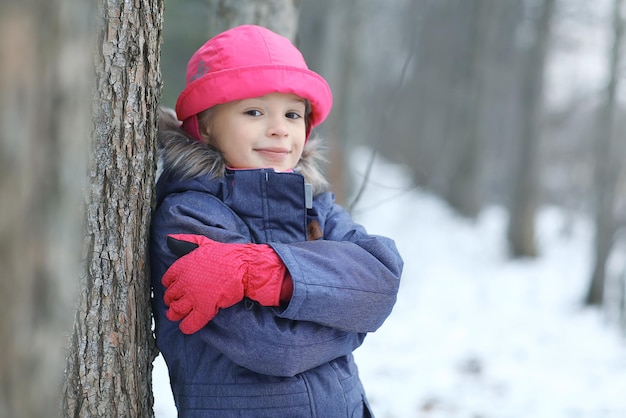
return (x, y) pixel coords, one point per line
(523, 206)
(44, 91)
(280, 16)
(110, 363)
(608, 162)
(332, 35)
(463, 192)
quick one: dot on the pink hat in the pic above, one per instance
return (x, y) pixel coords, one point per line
(245, 62)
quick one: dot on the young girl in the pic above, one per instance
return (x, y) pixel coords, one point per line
(263, 286)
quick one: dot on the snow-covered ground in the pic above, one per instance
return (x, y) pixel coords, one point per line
(473, 333)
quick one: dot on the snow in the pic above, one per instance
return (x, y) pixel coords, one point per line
(473, 333)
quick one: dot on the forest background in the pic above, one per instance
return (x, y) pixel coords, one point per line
(518, 103)
(514, 103)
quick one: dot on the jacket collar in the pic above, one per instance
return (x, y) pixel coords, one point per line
(277, 212)
(272, 205)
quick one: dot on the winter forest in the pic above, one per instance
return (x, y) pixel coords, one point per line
(487, 137)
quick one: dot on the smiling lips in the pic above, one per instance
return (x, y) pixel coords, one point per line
(273, 153)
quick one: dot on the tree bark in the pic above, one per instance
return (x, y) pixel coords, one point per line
(112, 348)
(607, 166)
(523, 205)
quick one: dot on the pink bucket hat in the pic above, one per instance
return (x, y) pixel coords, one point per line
(245, 62)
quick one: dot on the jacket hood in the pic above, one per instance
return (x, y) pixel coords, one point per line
(187, 157)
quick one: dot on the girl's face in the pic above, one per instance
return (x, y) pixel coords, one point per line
(262, 132)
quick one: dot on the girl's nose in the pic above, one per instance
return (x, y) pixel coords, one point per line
(277, 128)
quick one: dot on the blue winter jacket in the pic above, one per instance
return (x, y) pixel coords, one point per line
(255, 361)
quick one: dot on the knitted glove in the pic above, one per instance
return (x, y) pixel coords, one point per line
(217, 275)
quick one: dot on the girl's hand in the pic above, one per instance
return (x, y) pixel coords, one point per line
(216, 275)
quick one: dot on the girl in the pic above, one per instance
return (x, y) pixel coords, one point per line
(263, 286)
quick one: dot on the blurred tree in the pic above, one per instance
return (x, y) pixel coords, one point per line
(184, 30)
(524, 199)
(44, 97)
(609, 160)
(457, 114)
(463, 121)
(281, 16)
(331, 37)
(109, 367)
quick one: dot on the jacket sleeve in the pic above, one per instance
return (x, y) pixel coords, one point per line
(344, 286)
(255, 338)
(252, 336)
(349, 280)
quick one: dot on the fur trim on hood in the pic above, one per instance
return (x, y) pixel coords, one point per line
(190, 158)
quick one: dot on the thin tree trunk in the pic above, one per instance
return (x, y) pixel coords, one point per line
(44, 91)
(463, 192)
(523, 207)
(280, 16)
(112, 349)
(346, 124)
(608, 162)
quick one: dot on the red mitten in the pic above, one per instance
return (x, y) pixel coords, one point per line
(217, 275)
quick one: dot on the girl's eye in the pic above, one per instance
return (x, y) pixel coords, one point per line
(253, 112)
(292, 115)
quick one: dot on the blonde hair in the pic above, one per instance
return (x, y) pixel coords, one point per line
(205, 119)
